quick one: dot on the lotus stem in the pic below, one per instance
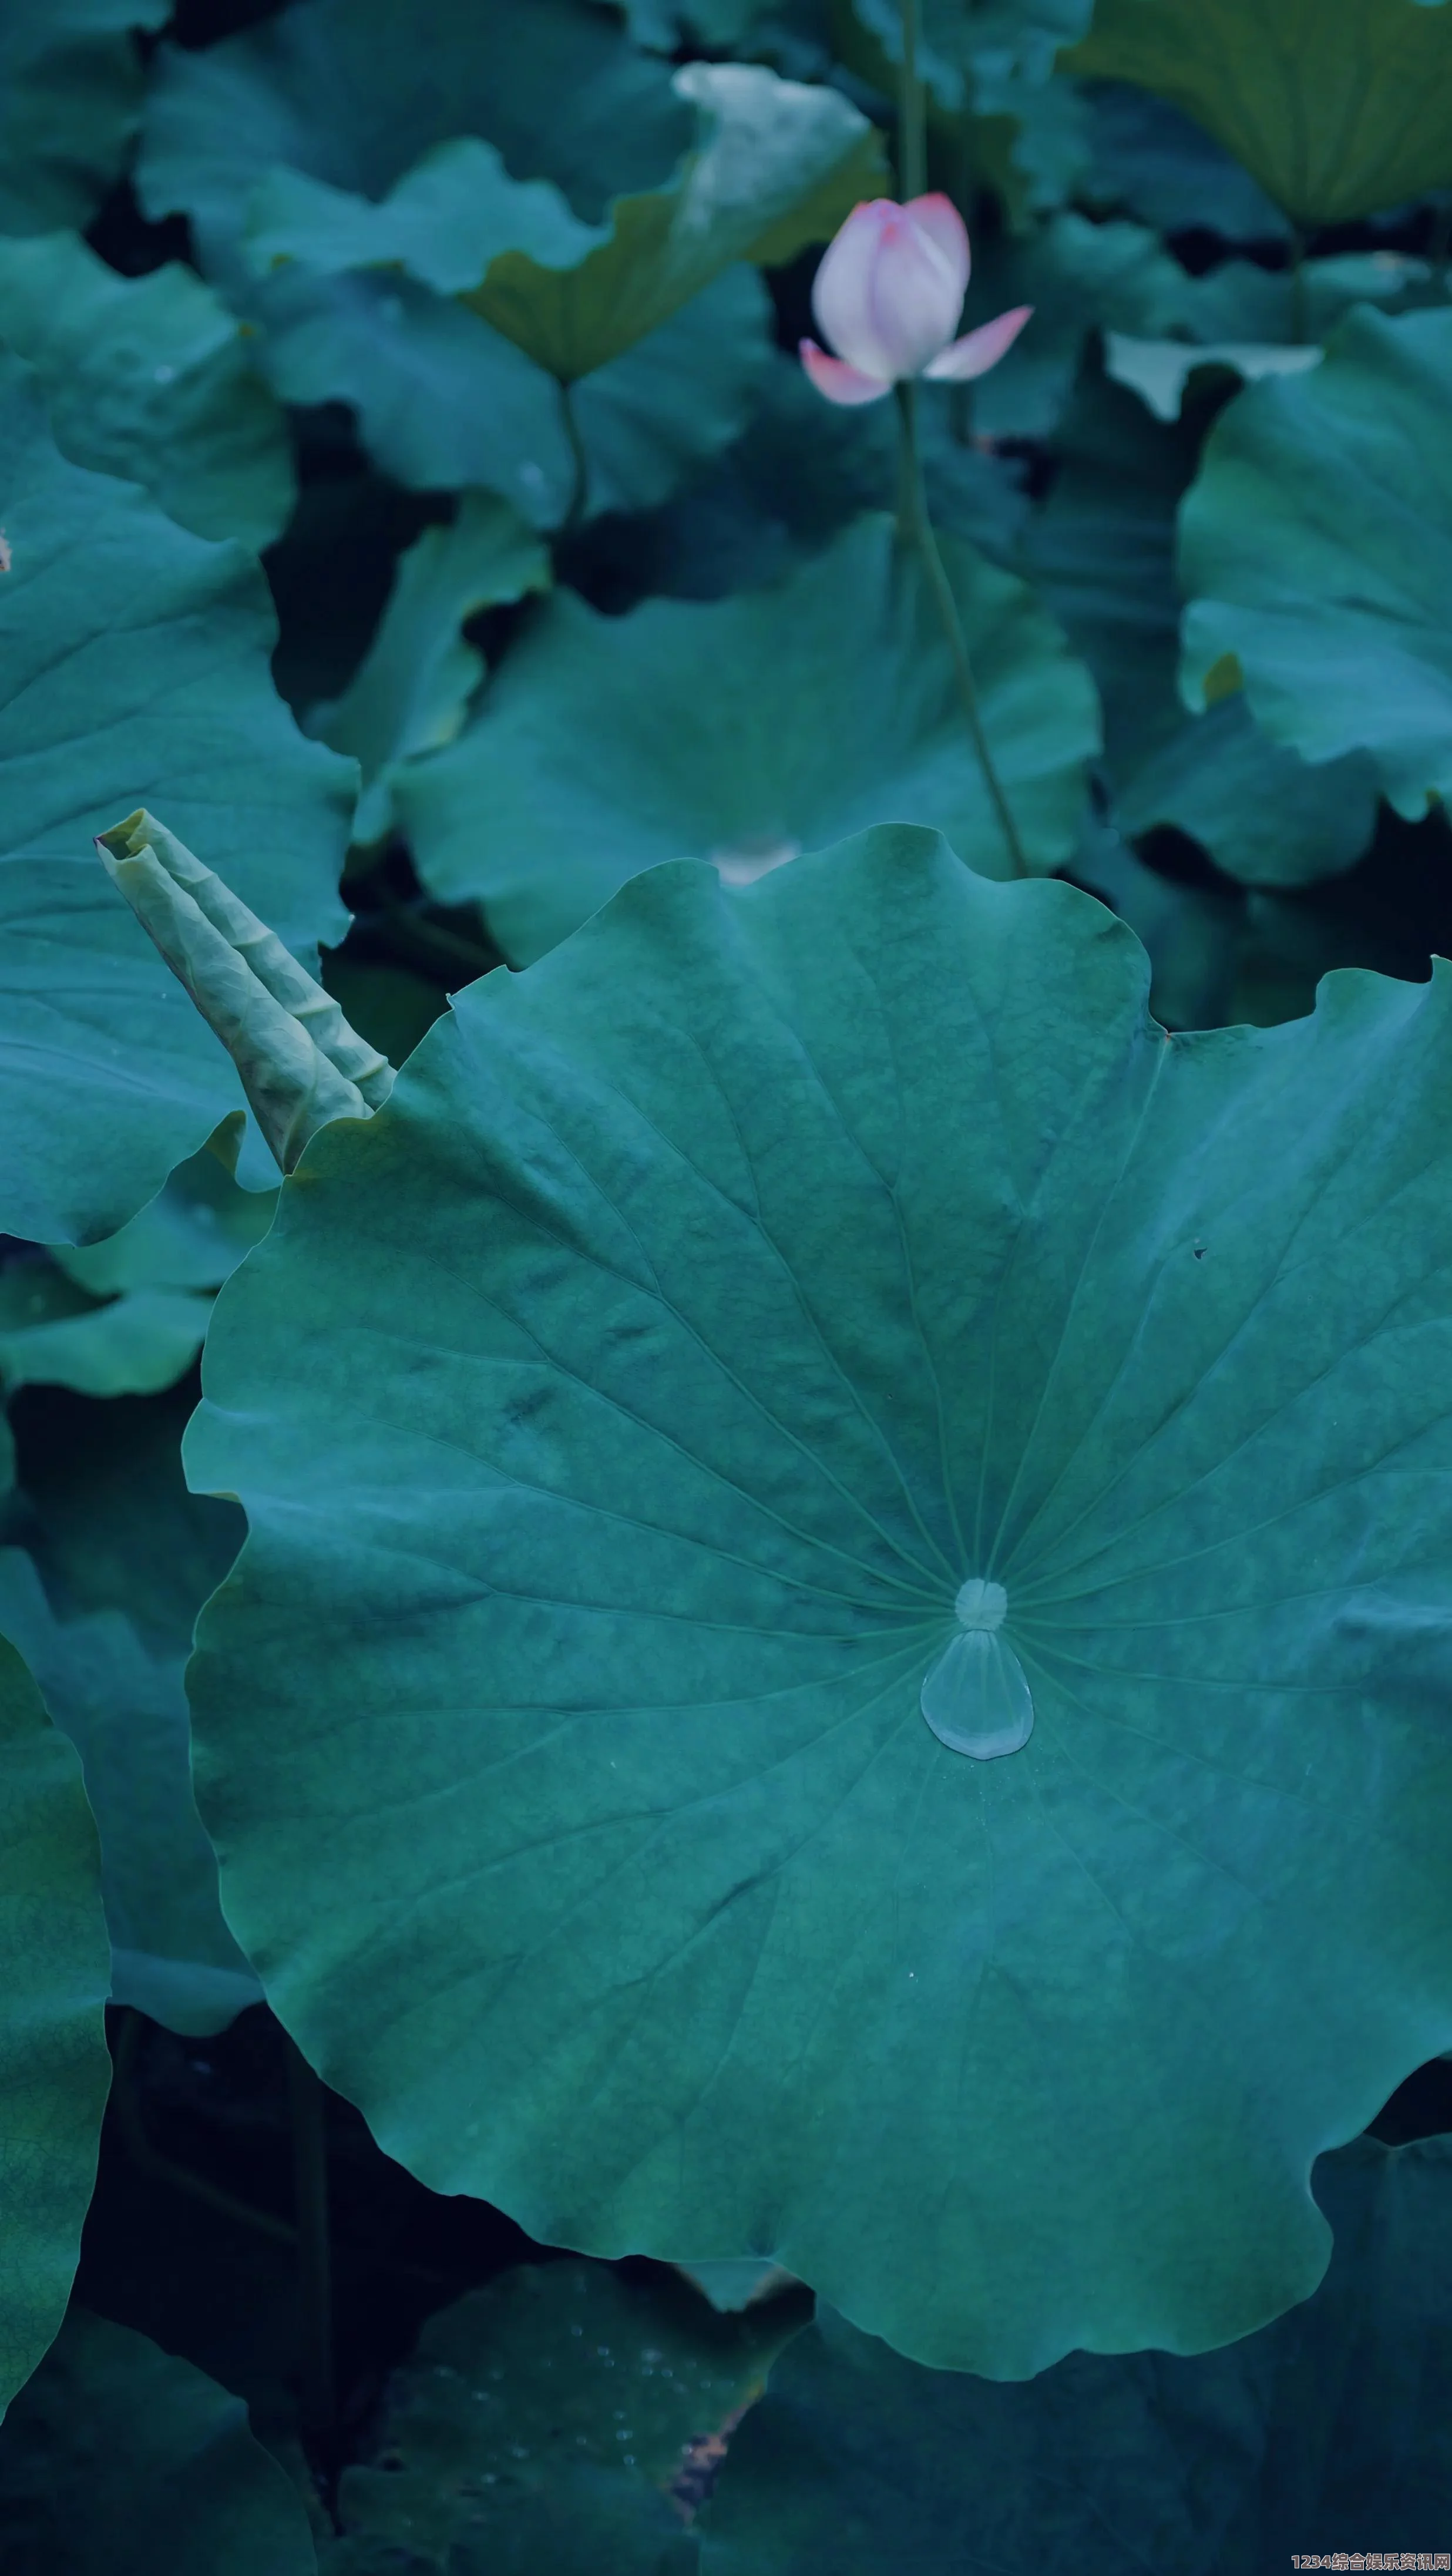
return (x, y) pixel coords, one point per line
(916, 526)
(912, 127)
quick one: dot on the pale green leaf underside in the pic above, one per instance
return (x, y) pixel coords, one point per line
(1316, 547)
(1328, 2424)
(749, 728)
(54, 2068)
(705, 1307)
(1337, 107)
(121, 2460)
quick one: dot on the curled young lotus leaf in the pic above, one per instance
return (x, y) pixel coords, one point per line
(300, 1063)
(736, 1286)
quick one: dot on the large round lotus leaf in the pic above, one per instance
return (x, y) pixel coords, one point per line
(152, 378)
(54, 1973)
(1330, 2425)
(1335, 106)
(119, 1697)
(747, 729)
(133, 665)
(1316, 550)
(618, 1416)
(549, 2413)
(120, 2460)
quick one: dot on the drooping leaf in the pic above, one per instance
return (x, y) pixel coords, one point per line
(345, 92)
(765, 723)
(150, 378)
(411, 692)
(1316, 552)
(1337, 107)
(542, 2422)
(54, 2069)
(736, 1285)
(1325, 2426)
(776, 165)
(119, 1697)
(120, 2460)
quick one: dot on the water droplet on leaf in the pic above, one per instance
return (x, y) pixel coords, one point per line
(976, 1696)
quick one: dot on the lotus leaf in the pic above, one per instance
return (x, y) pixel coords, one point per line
(743, 731)
(623, 1418)
(1316, 552)
(1337, 107)
(1326, 2425)
(412, 689)
(777, 165)
(118, 1695)
(120, 2460)
(54, 2069)
(133, 659)
(549, 2415)
(151, 378)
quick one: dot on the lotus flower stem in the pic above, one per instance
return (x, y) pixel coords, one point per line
(912, 123)
(915, 522)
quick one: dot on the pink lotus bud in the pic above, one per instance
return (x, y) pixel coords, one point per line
(887, 296)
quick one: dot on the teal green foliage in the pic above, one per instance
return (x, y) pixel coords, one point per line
(738, 1283)
(53, 2064)
(1316, 546)
(1326, 2425)
(543, 2422)
(807, 1652)
(120, 2460)
(744, 731)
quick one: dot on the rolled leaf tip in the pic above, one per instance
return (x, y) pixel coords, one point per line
(300, 1064)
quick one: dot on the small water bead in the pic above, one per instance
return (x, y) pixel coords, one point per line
(976, 1696)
